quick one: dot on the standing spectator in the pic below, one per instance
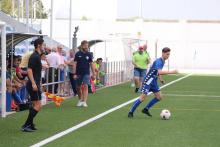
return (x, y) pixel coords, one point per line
(34, 85)
(61, 69)
(53, 61)
(45, 66)
(47, 50)
(81, 71)
(70, 63)
(140, 60)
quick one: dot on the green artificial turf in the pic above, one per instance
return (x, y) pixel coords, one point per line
(194, 122)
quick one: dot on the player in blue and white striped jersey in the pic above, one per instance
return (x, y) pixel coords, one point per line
(150, 83)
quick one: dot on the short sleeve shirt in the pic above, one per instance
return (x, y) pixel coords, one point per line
(83, 59)
(141, 59)
(157, 64)
(34, 63)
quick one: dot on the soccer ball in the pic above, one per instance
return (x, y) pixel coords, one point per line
(165, 114)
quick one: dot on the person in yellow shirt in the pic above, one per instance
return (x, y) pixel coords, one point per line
(98, 64)
(140, 60)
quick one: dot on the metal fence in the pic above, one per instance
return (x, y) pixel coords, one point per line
(115, 73)
(118, 72)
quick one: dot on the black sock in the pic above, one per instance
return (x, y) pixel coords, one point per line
(136, 90)
(34, 114)
(31, 115)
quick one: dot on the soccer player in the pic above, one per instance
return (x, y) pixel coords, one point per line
(150, 83)
(34, 85)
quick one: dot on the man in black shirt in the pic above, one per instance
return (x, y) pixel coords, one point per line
(81, 72)
(34, 85)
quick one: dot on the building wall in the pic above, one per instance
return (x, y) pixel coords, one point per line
(194, 45)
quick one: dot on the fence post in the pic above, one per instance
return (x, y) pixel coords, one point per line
(105, 76)
(3, 70)
(119, 71)
(111, 74)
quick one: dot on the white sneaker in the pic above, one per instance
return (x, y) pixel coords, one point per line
(79, 104)
(84, 104)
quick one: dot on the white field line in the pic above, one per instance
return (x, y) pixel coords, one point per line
(65, 132)
(193, 95)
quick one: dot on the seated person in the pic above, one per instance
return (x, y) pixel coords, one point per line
(12, 88)
(20, 77)
(99, 73)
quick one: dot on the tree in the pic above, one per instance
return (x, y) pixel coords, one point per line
(6, 7)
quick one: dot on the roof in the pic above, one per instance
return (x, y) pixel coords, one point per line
(92, 42)
(12, 39)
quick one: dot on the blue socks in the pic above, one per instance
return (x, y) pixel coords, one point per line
(16, 97)
(23, 93)
(8, 101)
(151, 103)
(135, 105)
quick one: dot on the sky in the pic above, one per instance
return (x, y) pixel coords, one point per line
(151, 9)
(170, 9)
(93, 9)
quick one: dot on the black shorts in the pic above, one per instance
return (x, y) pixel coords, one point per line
(34, 95)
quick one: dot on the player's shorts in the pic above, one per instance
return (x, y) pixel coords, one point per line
(34, 95)
(149, 84)
(139, 72)
(83, 79)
